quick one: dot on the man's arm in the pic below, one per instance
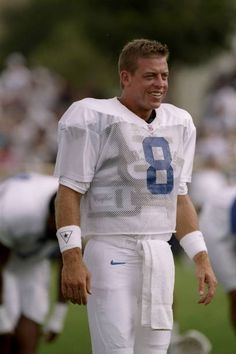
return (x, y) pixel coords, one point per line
(56, 320)
(75, 276)
(5, 323)
(186, 223)
(4, 256)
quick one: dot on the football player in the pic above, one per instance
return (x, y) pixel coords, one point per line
(218, 222)
(27, 241)
(123, 166)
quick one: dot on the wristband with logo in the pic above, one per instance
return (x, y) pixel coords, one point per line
(69, 237)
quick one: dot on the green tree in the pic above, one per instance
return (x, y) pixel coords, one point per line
(194, 30)
(76, 37)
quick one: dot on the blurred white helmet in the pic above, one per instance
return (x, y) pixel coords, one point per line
(191, 342)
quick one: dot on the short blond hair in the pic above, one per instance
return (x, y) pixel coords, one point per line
(140, 48)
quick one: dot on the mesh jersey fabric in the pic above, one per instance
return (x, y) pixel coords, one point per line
(133, 169)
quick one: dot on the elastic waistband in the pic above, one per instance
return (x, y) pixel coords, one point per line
(128, 241)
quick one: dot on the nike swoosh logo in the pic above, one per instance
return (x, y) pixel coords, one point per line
(116, 263)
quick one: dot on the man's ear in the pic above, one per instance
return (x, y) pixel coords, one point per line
(125, 78)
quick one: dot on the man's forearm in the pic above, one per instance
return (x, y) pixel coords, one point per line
(187, 220)
(187, 228)
(67, 206)
(4, 256)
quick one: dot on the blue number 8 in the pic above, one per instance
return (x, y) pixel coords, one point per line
(158, 165)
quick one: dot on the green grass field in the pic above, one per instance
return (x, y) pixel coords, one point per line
(212, 320)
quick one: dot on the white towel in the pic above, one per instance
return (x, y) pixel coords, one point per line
(158, 285)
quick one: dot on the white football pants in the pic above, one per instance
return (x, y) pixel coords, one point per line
(26, 290)
(114, 308)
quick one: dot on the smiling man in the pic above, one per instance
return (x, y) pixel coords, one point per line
(123, 166)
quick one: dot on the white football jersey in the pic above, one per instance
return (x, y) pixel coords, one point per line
(132, 169)
(24, 203)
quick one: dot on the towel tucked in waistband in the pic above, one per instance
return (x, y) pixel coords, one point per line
(158, 285)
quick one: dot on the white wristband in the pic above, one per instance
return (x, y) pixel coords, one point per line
(69, 237)
(56, 320)
(193, 243)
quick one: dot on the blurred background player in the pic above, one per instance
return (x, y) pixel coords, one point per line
(27, 241)
(218, 223)
(207, 180)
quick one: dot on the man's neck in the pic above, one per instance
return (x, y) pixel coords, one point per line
(148, 117)
(152, 117)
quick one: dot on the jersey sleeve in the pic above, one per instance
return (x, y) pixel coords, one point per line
(80, 187)
(78, 145)
(189, 142)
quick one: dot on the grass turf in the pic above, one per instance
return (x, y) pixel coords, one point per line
(212, 320)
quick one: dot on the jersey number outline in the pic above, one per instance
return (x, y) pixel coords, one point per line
(158, 165)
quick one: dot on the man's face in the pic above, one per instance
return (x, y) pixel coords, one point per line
(145, 89)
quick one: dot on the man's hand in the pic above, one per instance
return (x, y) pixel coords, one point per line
(75, 277)
(206, 278)
(55, 323)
